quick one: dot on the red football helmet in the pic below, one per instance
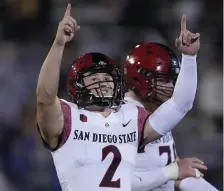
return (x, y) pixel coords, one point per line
(89, 64)
(148, 68)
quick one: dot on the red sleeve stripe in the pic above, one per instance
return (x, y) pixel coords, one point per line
(142, 117)
(66, 110)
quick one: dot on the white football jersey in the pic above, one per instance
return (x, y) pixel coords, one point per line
(98, 153)
(156, 154)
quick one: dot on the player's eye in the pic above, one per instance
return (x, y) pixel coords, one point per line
(94, 79)
(108, 78)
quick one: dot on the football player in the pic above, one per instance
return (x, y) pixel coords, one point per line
(93, 139)
(151, 71)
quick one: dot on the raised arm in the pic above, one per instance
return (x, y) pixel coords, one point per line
(171, 112)
(49, 113)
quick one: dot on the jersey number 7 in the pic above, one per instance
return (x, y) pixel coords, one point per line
(169, 150)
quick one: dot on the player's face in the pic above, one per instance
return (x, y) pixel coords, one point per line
(164, 90)
(100, 84)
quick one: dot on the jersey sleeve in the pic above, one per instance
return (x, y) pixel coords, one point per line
(143, 115)
(66, 110)
(149, 179)
(192, 183)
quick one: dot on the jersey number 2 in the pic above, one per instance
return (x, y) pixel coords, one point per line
(107, 179)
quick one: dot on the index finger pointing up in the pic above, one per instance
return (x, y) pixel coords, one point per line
(68, 10)
(183, 23)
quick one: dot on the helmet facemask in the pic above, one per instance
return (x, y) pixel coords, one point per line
(164, 86)
(160, 85)
(100, 94)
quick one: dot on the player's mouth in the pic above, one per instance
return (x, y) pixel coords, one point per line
(105, 91)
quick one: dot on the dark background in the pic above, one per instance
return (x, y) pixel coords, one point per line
(27, 29)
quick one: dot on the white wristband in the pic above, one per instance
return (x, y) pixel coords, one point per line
(171, 171)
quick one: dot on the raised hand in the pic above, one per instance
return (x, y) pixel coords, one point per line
(189, 167)
(188, 43)
(67, 28)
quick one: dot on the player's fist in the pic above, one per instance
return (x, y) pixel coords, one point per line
(66, 28)
(188, 43)
(189, 167)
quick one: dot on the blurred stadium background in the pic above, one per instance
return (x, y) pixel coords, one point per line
(27, 29)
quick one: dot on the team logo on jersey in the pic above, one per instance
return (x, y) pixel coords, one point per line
(83, 118)
(124, 125)
(139, 178)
